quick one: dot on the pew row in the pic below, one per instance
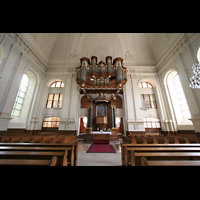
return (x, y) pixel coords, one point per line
(125, 149)
(145, 162)
(70, 156)
(38, 139)
(20, 162)
(159, 140)
(71, 147)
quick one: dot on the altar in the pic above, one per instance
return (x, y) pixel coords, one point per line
(101, 132)
(100, 135)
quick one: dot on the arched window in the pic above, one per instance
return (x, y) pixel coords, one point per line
(198, 55)
(51, 122)
(145, 85)
(1, 54)
(177, 100)
(20, 96)
(57, 84)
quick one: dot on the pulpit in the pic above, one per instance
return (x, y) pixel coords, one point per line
(101, 122)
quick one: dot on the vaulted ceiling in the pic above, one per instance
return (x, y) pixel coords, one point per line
(66, 49)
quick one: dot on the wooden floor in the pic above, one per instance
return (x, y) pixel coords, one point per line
(99, 159)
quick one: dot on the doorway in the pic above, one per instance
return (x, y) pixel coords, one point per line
(83, 124)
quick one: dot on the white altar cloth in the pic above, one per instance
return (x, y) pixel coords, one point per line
(101, 132)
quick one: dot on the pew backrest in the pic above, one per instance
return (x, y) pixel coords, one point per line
(145, 162)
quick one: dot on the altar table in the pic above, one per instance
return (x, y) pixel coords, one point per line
(101, 132)
(100, 135)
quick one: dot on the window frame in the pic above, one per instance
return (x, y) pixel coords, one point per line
(50, 121)
(55, 82)
(156, 121)
(53, 100)
(149, 85)
(149, 100)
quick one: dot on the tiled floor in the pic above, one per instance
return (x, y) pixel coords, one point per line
(98, 159)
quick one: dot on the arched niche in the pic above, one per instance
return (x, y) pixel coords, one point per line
(84, 103)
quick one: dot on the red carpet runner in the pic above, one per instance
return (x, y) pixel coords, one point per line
(101, 146)
(101, 142)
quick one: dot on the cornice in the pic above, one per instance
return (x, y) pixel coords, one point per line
(179, 46)
(141, 69)
(32, 50)
(21, 46)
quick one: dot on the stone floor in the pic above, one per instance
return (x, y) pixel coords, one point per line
(98, 159)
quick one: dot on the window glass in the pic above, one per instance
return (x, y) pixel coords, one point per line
(153, 104)
(144, 85)
(149, 85)
(53, 85)
(57, 84)
(51, 122)
(146, 97)
(20, 96)
(181, 97)
(152, 97)
(151, 122)
(54, 101)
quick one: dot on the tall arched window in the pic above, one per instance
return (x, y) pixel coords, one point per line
(177, 98)
(20, 96)
(198, 55)
(181, 97)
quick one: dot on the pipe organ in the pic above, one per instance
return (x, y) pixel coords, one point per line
(101, 82)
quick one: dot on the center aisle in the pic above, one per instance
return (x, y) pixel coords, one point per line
(98, 159)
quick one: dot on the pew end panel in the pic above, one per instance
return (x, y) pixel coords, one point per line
(144, 161)
(133, 160)
(53, 161)
(65, 158)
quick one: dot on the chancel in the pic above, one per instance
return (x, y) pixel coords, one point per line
(69, 91)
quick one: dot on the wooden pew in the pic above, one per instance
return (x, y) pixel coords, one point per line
(145, 162)
(19, 162)
(127, 154)
(37, 155)
(70, 156)
(136, 157)
(73, 152)
(124, 144)
(191, 140)
(38, 139)
(161, 139)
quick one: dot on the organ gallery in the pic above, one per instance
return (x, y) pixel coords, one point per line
(101, 82)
